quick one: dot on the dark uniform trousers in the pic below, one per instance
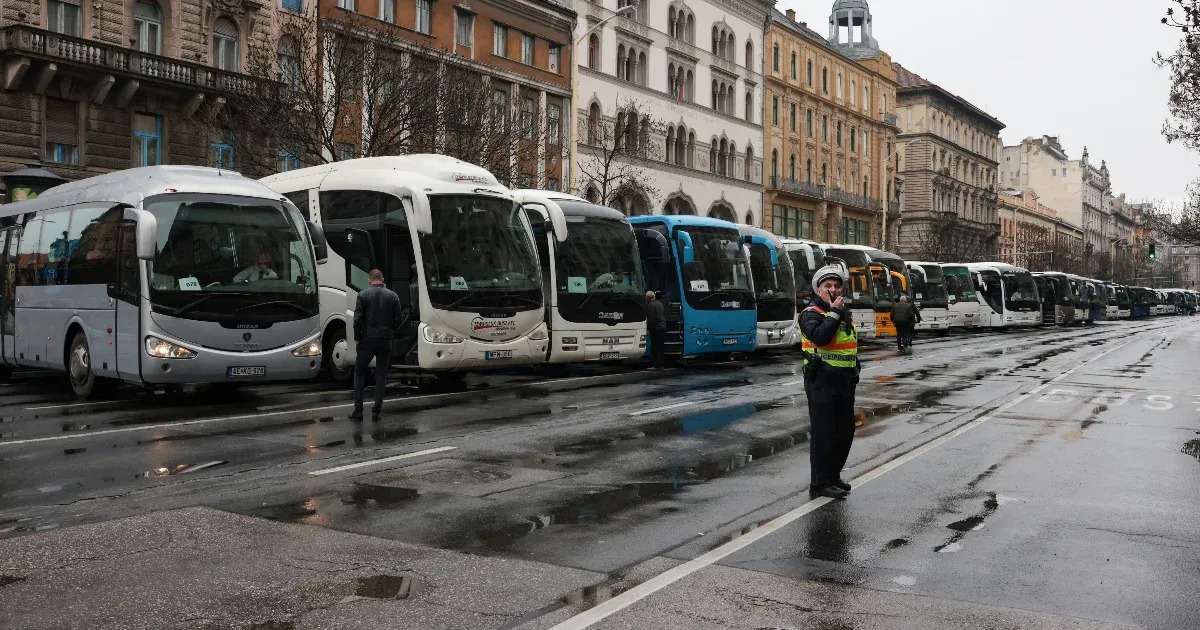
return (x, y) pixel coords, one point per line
(831, 414)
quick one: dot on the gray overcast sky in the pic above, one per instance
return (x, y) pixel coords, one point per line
(1078, 69)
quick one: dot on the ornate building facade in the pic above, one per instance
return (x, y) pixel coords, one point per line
(949, 167)
(691, 70)
(830, 128)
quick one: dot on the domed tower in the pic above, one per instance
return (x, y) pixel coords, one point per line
(850, 29)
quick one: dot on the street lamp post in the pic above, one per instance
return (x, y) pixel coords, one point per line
(574, 164)
(886, 162)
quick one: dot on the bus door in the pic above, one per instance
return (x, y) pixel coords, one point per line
(658, 267)
(127, 294)
(546, 257)
(992, 291)
(401, 273)
(8, 314)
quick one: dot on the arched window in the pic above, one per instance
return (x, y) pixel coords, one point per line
(749, 107)
(225, 45)
(722, 156)
(731, 169)
(289, 62)
(775, 58)
(749, 163)
(712, 156)
(808, 171)
(594, 52)
(749, 217)
(715, 42)
(866, 104)
(594, 124)
(672, 28)
(690, 29)
(622, 72)
(866, 188)
(825, 80)
(682, 157)
(714, 95)
(853, 92)
(774, 166)
(792, 167)
(641, 68)
(670, 149)
(794, 65)
(147, 27)
(691, 150)
(809, 71)
(749, 55)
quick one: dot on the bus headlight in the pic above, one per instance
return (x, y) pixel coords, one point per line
(310, 348)
(539, 334)
(163, 349)
(433, 335)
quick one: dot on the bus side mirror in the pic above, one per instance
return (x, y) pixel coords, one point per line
(750, 239)
(652, 245)
(685, 241)
(553, 213)
(422, 218)
(320, 245)
(146, 235)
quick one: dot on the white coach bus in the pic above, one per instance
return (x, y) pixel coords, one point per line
(451, 241)
(161, 275)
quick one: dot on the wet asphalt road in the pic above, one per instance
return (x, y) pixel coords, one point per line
(1044, 478)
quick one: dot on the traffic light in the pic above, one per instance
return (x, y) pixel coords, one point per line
(1152, 255)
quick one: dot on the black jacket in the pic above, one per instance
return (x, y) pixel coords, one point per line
(377, 314)
(656, 315)
(905, 313)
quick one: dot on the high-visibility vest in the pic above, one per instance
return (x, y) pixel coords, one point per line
(842, 352)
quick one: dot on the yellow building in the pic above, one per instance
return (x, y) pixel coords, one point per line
(830, 128)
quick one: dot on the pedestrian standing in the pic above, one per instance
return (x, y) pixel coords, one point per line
(906, 317)
(830, 346)
(377, 317)
(656, 326)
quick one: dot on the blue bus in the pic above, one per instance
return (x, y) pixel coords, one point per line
(774, 288)
(702, 269)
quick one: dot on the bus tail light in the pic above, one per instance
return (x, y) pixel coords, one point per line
(163, 349)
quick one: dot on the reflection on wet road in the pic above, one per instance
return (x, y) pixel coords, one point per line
(618, 474)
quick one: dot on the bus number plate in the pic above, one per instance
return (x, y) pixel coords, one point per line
(605, 356)
(497, 354)
(240, 371)
(730, 341)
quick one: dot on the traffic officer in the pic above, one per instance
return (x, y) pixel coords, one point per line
(830, 347)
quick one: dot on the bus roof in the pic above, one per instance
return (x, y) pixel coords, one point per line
(1001, 267)
(572, 206)
(437, 174)
(750, 230)
(553, 195)
(133, 185)
(683, 220)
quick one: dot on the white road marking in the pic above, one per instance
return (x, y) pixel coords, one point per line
(376, 462)
(657, 409)
(612, 606)
(71, 405)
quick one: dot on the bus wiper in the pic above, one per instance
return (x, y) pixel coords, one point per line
(306, 312)
(191, 306)
(462, 299)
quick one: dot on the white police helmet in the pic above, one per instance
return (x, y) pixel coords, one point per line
(828, 272)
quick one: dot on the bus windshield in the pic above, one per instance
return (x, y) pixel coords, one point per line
(959, 286)
(863, 289)
(1062, 291)
(600, 271)
(774, 286)
(480, 255)
(803, 272)
(934, 295)
(219, 255)
(1020, 291)
(882, 286)
(717, 278)
(1123, 297)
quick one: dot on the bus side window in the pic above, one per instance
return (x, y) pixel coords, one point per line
(127, 263)
(27, 259)
(92, 245)
(300, 200)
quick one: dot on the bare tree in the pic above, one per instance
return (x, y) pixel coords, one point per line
(346, 88)
(944, 236)
(616, 154)
(1183, 101)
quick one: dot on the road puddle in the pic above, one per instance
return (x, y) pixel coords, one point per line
(970, 524)
(384, 586)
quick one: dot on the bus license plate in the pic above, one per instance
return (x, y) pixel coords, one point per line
(729, 342)
(240, 371)
(497, 354)
(605, 356)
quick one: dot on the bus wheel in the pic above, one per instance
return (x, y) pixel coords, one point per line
(336, 347)
(79, 368)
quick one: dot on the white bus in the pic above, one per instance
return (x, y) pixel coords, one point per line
(865, 289)
(1008, 296)
(929, 291)
(774, 288)
(161, 275)
(595, 291)
(807, 257)
(451, 242)
(964, 302)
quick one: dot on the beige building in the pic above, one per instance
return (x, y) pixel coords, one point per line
(949, 172)
(830, 126)
(1032, 235)
(1078, 189)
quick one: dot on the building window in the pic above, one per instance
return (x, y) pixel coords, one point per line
(554, 59)
(527, 49)
(809, 71)
(824, 128)
(749, 107)
(147, 28)
(853, 93)
(221, 154)
(824, 173)
(499, 40)
(63, 17)
(552, 184)
(775, 57)
(289, 62)
(775, 110)
(825, 80)
(287, 162)
(839, 87)
(554, 116)
(295, 6)
(62, 131)
(526, 180)
(423, 17)
(854, 232)
(792, 167)
(349, 5)
(147, 140)
(774, 165)
(500, 108)
(1054, 172)
(853, 135)
(809, 126)
(866, 104)
(594, 52)
(839, 133)
(793, 65)
(464, 34)
(225, 45)
(527, 118)
(793, 117)
(387, 11)
(594, 124)
(346, 151)
(808, 171)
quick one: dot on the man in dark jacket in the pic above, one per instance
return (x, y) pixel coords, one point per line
(656, 328)
(830, 345)
(905, 316)
(377, 316)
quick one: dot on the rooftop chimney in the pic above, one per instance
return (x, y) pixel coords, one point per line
(791, 15)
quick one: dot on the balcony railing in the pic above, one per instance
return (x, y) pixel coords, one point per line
(892, 120)
(893, 206)
(36, 42)
(827, 194)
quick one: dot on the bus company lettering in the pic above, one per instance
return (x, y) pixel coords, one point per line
(731, 305)
(493, 327)
(615, 316)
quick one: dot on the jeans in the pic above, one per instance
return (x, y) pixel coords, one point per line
(381, 351)
(658, 338)
(831, 414)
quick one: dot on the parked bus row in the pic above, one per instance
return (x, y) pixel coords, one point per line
(160, 276)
